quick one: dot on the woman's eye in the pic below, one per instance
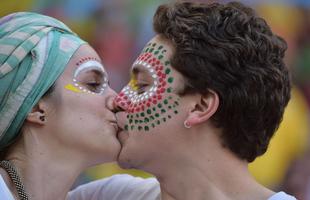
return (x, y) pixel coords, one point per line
(93, 86)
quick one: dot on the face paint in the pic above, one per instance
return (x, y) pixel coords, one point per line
(73, 88)
(92, 87)
(157, 104)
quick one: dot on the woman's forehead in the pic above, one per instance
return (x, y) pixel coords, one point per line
(84, 56)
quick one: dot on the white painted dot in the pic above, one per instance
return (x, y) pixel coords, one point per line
(75, 84)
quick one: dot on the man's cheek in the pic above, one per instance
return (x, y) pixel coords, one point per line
(153, 115)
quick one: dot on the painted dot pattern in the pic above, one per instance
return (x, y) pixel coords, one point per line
(150, 108)
(81, 87)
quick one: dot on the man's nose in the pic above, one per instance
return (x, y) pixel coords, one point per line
(121, 102)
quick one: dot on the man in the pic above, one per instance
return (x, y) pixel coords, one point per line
(206, 95)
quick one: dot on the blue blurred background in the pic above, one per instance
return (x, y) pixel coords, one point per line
(118, 30)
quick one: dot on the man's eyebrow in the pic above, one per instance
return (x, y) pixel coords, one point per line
(138, 69)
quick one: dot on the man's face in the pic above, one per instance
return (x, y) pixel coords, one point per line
(151, 104)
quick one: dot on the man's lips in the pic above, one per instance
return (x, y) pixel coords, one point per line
(121, 118)
(122, 136)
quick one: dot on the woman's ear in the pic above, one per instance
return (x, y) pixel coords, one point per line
(38, 113)
(204, 109)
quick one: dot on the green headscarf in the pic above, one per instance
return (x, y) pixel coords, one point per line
(34, 51)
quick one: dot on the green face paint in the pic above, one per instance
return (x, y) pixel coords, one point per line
(156, 105)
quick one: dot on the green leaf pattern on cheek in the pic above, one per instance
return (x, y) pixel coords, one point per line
(158, 104)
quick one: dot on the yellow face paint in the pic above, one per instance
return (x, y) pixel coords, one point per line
(133, 82)
(73, 88)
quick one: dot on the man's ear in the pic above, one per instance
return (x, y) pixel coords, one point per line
(38, 113)
(204, 109)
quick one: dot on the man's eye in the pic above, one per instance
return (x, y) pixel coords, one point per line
(141, 87)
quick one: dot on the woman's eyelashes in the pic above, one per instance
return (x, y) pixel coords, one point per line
(94, 81)
(94, 86)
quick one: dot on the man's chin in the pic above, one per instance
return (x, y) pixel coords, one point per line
(123, 161)
(122, 136)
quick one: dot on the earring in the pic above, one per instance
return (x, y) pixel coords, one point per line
(42, 118)
(187, 124)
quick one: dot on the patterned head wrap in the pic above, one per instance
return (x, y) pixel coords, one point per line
(34, 51)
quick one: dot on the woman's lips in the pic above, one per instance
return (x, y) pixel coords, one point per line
(115, 125)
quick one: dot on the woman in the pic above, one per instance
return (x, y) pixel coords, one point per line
(205, 97)
(56, 110)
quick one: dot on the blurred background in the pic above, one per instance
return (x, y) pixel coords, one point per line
(118, 30)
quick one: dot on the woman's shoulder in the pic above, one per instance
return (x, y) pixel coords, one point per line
(119, 187)
(5, 193)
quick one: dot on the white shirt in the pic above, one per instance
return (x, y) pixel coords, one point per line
(126, 187)
(118, 187)
(281, 196)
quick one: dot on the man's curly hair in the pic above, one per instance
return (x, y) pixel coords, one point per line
(229, 49)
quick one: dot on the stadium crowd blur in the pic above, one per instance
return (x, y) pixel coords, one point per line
(118, 29)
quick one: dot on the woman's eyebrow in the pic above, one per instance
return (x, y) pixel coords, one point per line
(95, 71)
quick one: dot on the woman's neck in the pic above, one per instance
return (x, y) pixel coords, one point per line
(45, 175)
(47, 180)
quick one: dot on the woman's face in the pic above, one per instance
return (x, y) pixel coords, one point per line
(80, 114)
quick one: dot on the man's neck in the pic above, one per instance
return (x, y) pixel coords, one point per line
(206, 171)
